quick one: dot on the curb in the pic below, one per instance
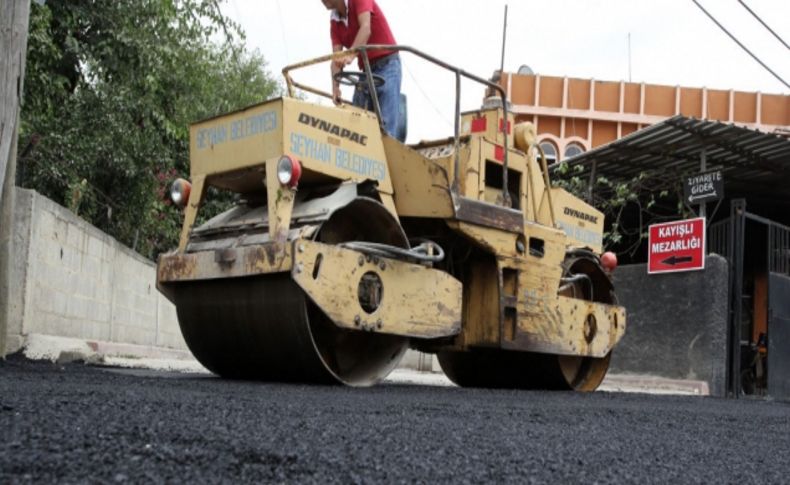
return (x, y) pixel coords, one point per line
(65, 349)
(653, 385)
(419, 369)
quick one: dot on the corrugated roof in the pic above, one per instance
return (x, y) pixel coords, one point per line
(750, 160)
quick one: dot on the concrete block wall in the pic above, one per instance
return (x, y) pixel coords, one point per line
(676, 324)
(77, 282)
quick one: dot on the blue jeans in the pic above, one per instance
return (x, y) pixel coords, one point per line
(388, 93)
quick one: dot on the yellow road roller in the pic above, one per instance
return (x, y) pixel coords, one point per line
(346, 247)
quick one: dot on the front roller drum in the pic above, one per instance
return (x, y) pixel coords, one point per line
(265, 328)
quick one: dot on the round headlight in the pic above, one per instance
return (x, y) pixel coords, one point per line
(179, 192)
(289, 170)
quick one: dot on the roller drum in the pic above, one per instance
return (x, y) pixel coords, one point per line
(266, 328)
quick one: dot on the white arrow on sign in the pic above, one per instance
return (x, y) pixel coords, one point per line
(692, 198)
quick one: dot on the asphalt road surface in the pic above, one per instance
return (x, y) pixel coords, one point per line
(76, 423)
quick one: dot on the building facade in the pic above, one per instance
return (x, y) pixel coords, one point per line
(575, 115)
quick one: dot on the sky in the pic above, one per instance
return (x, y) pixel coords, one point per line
(672, 42)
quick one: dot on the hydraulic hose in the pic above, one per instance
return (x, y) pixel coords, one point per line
(425, 252)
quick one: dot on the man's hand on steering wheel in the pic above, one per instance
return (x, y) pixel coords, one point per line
(343, 61)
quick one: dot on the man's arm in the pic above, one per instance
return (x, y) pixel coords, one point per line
(336, 67)
(362, 37)
(364, 30)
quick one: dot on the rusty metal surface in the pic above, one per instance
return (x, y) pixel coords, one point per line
(435, 150)
(421, 184)
(196, 197)
(280, 202)
(224, 263)
(563, 328)
(489, 215)
(414, 301)
(558, 320)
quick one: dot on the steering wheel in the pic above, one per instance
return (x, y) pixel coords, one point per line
(357, 79)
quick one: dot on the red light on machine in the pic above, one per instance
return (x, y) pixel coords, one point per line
(179, 192)
(609, 261)
(289, 171)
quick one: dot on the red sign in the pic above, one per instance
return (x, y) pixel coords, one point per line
(676, 246)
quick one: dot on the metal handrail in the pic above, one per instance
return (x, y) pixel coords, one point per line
(363, 51)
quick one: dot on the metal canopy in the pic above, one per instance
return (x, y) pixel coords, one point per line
(751, 161)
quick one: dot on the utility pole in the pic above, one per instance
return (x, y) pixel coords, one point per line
(504, 42)
(14, 19)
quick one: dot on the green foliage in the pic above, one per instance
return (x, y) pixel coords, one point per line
(646, 198)
(110, 90)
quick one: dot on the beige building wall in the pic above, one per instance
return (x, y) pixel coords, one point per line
(574, 115)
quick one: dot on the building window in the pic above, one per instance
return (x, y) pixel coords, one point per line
(550, 150)
(572, 150)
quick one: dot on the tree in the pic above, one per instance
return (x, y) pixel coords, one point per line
(111, 88)
(630, 205)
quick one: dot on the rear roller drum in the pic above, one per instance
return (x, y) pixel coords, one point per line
(523, 370)
(529, 370)
(266, 328)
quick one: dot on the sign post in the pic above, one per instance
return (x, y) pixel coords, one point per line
(676, 246)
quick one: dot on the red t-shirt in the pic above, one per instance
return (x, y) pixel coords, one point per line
(380, 32)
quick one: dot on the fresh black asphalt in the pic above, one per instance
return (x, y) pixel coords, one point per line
(80, 424)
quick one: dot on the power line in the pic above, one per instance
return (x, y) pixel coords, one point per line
(764, 24)
(740, 44)
(427, 98)
(282, 30)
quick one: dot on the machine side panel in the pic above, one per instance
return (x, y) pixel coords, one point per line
(581, 222)
(404, 299)
(481, 314)
(555, 324)
(535, 190)
(421, 184)
(238, 140)
(488, 123)
(482, 286)
(490, 188)
(344, 143)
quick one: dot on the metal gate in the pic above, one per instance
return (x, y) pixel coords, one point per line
(729, 238)
(779, 336)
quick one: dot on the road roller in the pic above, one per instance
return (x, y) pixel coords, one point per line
(345, 247)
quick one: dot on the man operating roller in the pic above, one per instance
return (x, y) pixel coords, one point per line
(356, 23)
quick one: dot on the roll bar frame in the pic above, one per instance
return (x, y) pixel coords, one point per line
(459, 73)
